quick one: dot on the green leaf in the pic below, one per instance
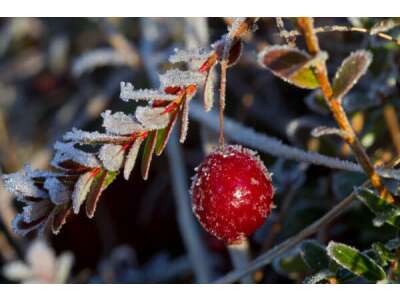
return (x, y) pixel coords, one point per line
(148, 152)
(382, 254)
(356, 262)
(315, 256)
(290, 265)
(352, 68)
(292, 65)
(384, 211)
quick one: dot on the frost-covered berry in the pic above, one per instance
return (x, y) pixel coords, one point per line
(232, 193)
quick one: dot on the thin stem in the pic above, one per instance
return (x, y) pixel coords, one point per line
(392, 123)
(222, 94)
(335, 105)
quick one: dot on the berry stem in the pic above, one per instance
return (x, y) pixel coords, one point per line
(335, 105)
(222, 95)
(240, 257)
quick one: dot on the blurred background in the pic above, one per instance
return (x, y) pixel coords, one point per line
(59, 73)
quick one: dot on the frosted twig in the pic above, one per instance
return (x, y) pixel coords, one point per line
(267, 144)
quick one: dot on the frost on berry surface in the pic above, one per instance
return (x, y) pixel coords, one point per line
(58, 192)
(112, 156)
(22, 185)
(120, 123)
(152, 118)
(68, 151)
(81, 190)
(129, 93)
(232, 193)
(178, 78)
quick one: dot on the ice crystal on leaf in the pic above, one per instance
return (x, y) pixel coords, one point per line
(67, 151)
(129, 93)
(22, 185)
(120, 123)
(58, 192)
(86, 137)
(193, 57)
(178, 78)
(112, 156)
(152, 118)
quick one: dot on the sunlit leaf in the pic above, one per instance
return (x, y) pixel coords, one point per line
(352, 68)
(291, 65)
(356, 262)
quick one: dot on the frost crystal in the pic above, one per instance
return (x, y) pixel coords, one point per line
(175, 77)
(85, 137)
(112, 156)
(22, 185)
(81, 190)
(35, 210)
(67, 151)
(58, 192)
(120, 123)
(152, 118)
(131, 158)
(129, 93)
(191, 56)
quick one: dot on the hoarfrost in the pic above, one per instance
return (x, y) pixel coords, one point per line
(131, 158)
(86, 137)
(120, 123)
(175, 77)
(58, 192)
(22, 185)
(152, 118)
(129, 93)
(190, 56)
(67, 151)
(81, 190)
(112, 156)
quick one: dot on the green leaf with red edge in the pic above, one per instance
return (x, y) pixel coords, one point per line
(164, 134)
(148, 152)
(60, 216)
(352, 68)
(292, 65)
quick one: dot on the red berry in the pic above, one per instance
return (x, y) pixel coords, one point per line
(232, 193)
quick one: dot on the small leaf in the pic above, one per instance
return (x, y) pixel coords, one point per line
(60, 217)
(184, 115)
(352, 68)
(94, 193)
(315, 256)
(208, 92)
(164, 134)
(382, 254)
(290, 265)
(235, 50)
(148, 153)
(385, 213)
(112, 156)
(131, 157)
(81, 190)
(291, 65)
(356, 262)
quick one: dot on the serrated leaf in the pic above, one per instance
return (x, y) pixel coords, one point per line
(385, 212)
(356, 262)
(148, 152)
(315, 256)
(164, 134)
(352, 68)
(131, 157)
(291, 65)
